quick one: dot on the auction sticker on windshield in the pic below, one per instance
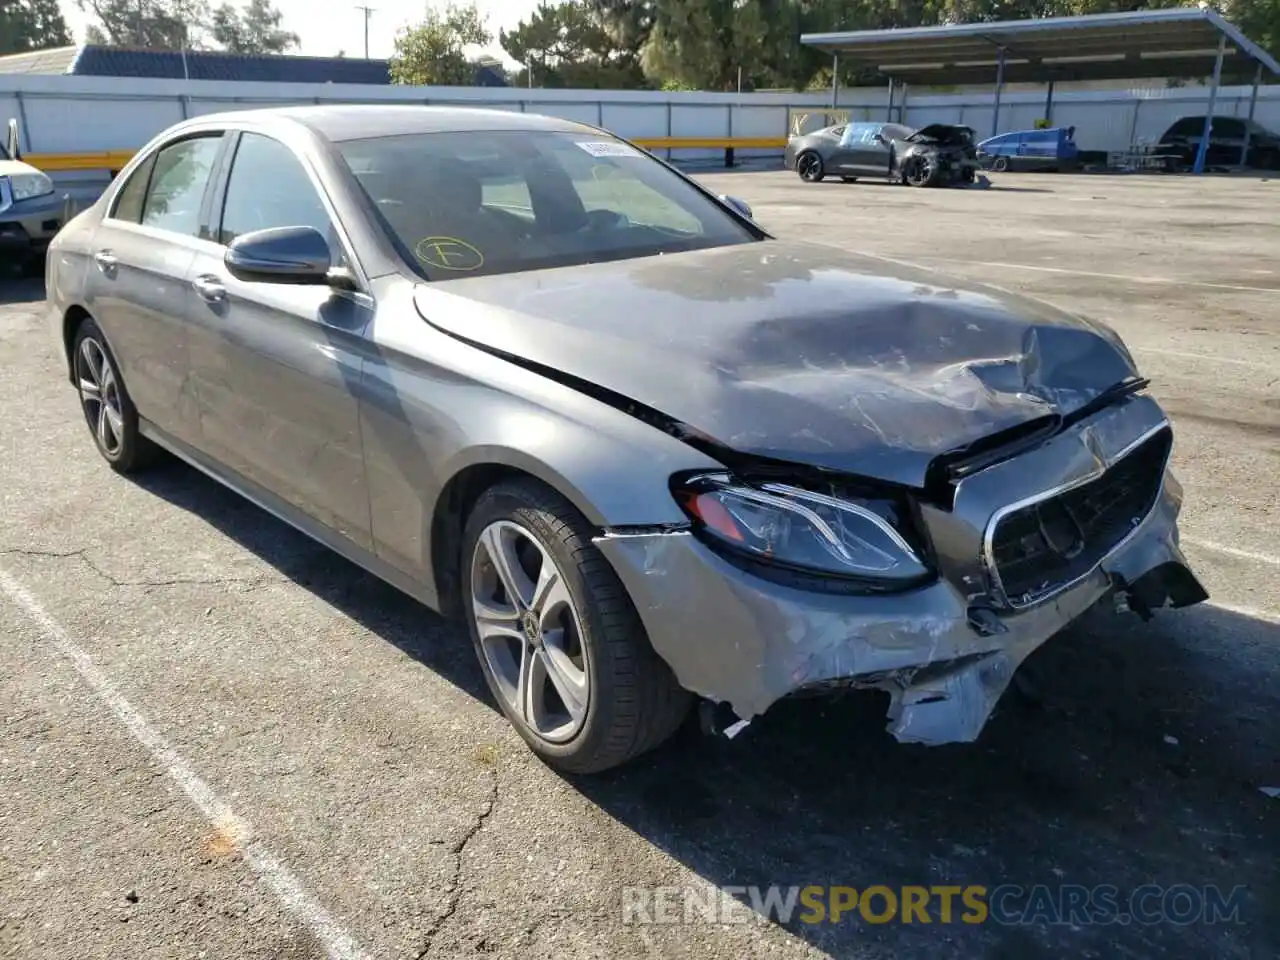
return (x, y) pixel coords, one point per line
(608, 148)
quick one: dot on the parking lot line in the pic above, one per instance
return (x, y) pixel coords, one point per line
(1106, 276)
(1232, 551)
(1253, 613)
(338, 944)
(1200, 356)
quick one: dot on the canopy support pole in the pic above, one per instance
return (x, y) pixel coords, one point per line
(995, 114)
(1253, 103)
(888, 113)
(1213, 102)
(835, 79)
(1048, 105)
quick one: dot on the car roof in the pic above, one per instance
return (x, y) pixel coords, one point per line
(354, 121)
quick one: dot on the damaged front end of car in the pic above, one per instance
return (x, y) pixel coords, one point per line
(789, 580)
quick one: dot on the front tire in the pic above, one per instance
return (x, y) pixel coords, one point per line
(104, 400)
(560, 645)
(809, 167)
(921, 171)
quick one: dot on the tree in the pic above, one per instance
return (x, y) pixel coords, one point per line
(151, 24)
(434, 52)
(703, 43)
(256, 30)
(31, 25)
(567, 45)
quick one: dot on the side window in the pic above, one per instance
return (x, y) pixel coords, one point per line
(269, 187)
(178, 182)
(1228, 127)
(129, 201)
(836, 132)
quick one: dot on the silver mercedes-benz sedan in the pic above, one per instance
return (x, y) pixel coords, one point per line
(540, 380)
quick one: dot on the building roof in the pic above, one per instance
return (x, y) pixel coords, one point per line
(93, 60)
(1179, 42)
(50, 60)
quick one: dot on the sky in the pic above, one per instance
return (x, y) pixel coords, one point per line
(327, 26)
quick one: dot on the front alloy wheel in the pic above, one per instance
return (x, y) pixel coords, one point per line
(560, 644)
(530, 632)
(921, 170)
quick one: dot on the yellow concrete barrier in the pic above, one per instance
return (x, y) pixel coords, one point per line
(115, 160)
(710, 143)
(98, 160)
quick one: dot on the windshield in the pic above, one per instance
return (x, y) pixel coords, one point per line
(484, 202)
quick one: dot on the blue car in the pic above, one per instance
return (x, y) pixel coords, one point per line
(1046, 150)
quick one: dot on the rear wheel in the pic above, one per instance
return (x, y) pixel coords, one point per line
(560, 645)
(1000, 164)
(809, 167)
(111, 415)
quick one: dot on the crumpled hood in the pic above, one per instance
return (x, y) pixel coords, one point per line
(798, 352)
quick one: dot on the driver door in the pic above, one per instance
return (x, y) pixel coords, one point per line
(874, 151)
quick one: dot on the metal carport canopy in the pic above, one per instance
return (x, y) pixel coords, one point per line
(1180, 42)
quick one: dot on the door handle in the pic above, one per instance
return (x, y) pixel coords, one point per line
(209, 288)
(106, 260)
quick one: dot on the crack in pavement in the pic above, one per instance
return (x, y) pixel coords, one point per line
(458, 850)
(82, 555)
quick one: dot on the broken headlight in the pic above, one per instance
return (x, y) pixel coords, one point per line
(803, 529)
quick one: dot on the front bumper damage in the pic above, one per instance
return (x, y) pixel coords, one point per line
(945, 652)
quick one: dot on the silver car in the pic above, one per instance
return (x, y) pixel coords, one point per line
(541, 381)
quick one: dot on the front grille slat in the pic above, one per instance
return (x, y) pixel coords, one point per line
(1040, 548)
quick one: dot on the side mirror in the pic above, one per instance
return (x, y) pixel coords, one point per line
(297, 255)
(12, 143)
(740, 205)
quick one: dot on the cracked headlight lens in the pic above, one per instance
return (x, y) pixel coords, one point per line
(793, 527)
(28, 186)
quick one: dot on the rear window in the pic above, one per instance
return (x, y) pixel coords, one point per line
(487, 202)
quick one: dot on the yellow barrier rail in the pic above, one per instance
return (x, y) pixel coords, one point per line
(712, 143)
(115, 160)
(101, 160)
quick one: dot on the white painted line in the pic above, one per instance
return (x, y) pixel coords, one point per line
(338, 944)
(1128, 278)
(1201, 356)
(1232, 551)
(1251, 612)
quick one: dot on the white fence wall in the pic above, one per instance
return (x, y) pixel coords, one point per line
(62, 114)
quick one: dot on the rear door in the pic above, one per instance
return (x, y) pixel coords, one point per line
(137, 289)
(277, 365)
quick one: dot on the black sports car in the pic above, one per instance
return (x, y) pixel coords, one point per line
(935, 155)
